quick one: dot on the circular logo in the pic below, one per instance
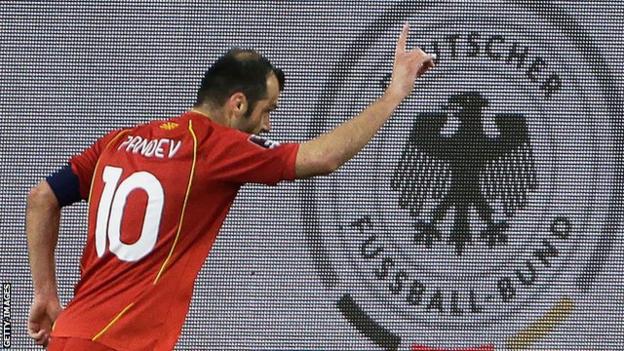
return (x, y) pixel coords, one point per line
(489, 200)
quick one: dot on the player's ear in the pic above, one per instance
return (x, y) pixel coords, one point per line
(237, 103)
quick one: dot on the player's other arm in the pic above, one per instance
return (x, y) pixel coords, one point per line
(68, 185)
(43, 214)
(331, 150)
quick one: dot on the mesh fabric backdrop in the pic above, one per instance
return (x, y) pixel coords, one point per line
(487, 212)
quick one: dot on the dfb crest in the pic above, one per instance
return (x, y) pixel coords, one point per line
(465, 170)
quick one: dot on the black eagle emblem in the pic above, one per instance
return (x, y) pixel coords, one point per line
(467, 175)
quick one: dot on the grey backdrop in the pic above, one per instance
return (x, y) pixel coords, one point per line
(287, 257)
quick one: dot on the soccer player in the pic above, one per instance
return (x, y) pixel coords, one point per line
(158, 194)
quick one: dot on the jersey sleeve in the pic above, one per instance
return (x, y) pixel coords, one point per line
(248, 158)
(83, 164)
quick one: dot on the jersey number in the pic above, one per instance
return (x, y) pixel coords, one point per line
(111, 210)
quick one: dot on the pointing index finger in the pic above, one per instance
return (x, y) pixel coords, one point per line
(402, 42)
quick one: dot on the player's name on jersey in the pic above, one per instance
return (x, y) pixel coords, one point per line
(159, 148)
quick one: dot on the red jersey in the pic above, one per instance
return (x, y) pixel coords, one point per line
(158, 195)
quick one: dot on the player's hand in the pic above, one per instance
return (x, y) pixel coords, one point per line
(408, 65)
(43, 313)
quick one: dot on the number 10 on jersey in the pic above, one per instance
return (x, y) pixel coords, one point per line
(111, 210)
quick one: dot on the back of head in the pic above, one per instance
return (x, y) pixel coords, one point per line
(239, 70)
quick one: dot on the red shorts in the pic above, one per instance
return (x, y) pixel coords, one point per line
(75, 344)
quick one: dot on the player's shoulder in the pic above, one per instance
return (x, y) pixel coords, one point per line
(235, 136)
(262, 142)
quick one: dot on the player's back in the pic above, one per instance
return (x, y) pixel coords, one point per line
(137, 196)
(140, 260)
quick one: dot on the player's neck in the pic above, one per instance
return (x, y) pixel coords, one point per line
(215, 116)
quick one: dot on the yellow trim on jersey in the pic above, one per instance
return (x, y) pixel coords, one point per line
(169, 126)
(186, 196)
(110, 324)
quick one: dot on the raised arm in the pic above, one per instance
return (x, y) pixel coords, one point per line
(42, 224)
(329, 151)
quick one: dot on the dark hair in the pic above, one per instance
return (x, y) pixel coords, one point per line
(239, 70)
